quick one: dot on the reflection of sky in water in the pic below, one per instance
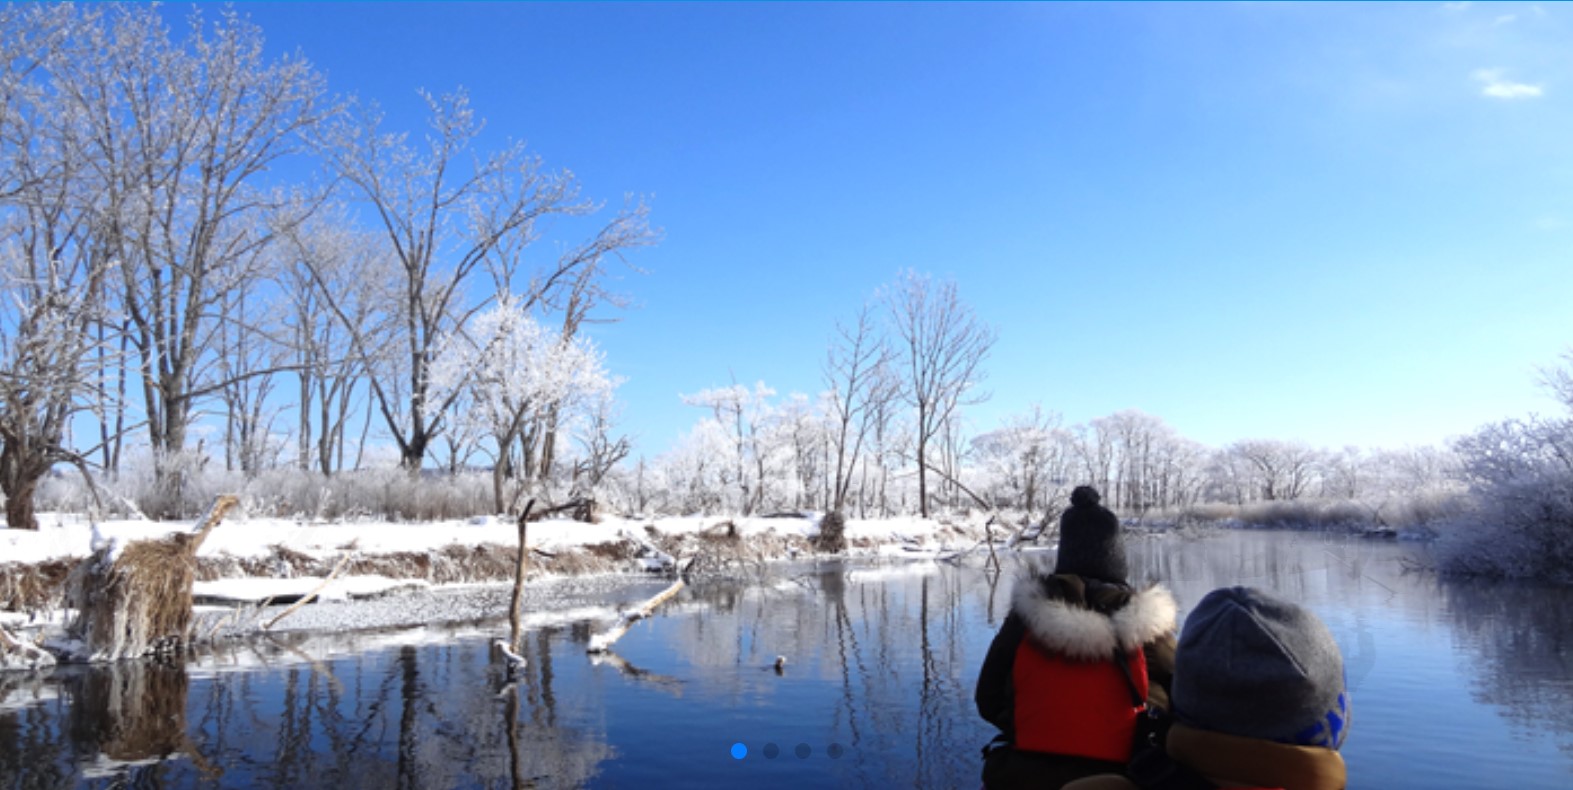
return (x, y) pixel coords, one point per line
(1428, 661)
(1455, 685)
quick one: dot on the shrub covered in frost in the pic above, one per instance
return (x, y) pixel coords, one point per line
(1520, 519)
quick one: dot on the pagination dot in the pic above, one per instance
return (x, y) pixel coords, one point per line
(739, 751)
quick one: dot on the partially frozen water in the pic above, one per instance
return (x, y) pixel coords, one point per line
(1455, 685)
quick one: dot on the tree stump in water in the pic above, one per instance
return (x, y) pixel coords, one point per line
(137, 601)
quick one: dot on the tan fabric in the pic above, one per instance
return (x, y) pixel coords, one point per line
(1231, 761)
(1251, 762)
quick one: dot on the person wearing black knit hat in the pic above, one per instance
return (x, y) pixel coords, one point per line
(1076, 661)
(1090, 540)
(1258, 700)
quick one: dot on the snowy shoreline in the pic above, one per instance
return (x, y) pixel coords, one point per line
(402, 575)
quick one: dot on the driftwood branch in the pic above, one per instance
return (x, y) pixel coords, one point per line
(602, 642)
(313, 594)
(221, 506)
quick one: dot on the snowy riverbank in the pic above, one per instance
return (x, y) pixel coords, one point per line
(402, 574)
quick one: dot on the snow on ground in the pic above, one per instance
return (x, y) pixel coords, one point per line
(65, 535)
(256, 590)
(367, 604)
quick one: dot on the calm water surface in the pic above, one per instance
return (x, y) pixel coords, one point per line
(1455, 685)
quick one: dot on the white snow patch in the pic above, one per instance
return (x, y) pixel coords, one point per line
(254, 590)
(889, 572)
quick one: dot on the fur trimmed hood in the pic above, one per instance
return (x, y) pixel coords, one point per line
(1083, 634)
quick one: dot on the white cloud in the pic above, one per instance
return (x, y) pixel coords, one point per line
(1550, 223)
(1495, 85)
(1505, 19)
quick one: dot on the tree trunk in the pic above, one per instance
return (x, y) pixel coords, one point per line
(19, 489)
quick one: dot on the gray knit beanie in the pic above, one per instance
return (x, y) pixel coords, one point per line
(1252, 665)
(1090, 540)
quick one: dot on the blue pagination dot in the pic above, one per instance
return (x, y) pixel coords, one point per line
(739, 751)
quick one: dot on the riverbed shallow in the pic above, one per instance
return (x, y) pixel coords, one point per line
(1454, 684)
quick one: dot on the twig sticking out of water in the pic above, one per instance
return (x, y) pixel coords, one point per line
(516, 605)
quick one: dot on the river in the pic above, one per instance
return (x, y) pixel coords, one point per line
(1454, 684)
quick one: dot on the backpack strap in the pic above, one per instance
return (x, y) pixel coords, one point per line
(1121, 661)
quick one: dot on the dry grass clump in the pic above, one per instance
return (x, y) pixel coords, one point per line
(137, 602)
(451, 564)
(570, 563)
(621, 551)
(32, 588)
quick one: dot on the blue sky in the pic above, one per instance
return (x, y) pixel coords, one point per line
(1343, 224)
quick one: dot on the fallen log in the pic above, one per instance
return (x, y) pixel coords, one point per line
(600, 643)
(309, 597)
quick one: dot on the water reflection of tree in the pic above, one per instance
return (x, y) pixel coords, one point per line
(1521, 636)
(408, 717)
(32, 755)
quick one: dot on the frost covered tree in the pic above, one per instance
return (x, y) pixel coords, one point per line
(860, 384)
(52, 284)
(510, 368)
(182, 135)
(55, 270)
(601, 448)
(1025, 462)
(740, 416)
(197, 126)
(942, 347)
(1520, 478)
(448, 212)
(326, 255)
(1283, 470)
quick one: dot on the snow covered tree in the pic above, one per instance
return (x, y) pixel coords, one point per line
(1520, 524)
(943, 347)
(182, 136)
(323, 256)
(741, 415)
(1025, 461)
(446, 213)
(857, 373)
(55, 270)
(1284, 470)
(510, 368)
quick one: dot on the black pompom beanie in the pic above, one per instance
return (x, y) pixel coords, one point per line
(1090, 540)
